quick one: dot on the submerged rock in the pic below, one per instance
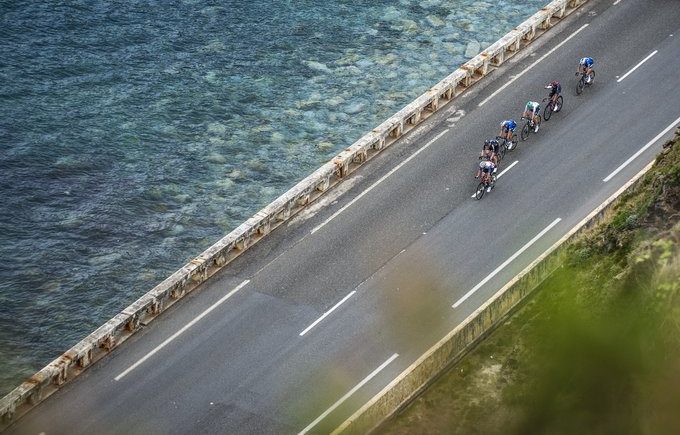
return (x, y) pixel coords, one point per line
(325, 146)
(316, 66)
(217, 128)
(435, 21)
(386, 59)
(216, 158)
(277, 137)
(409, 26)
(354, 108)
(472, 49)
(392, 14)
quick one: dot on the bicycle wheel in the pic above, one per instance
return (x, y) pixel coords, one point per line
(525, 131)
(548, 111)
(502, 150)
(560, 102)
(579, 86)
(480, 191)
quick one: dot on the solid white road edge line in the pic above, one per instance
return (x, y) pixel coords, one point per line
(506, 262)
(327, 312)
(187, 326)
(634, 156)
(349, 393)
(334, 215)
(531, 66)
(616, 2)
(637, 66)
(502, 172)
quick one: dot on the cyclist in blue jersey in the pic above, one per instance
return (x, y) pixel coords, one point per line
(507, 129)
(585, 66)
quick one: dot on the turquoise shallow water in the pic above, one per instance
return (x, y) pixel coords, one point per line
(134, 134)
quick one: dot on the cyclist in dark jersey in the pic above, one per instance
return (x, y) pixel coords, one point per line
(490, 151)
(555, 90)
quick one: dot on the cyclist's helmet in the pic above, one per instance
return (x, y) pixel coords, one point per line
(554, 83)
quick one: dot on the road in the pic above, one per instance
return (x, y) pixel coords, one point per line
(309, 324)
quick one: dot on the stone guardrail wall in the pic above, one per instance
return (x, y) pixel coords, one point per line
(123, 325)
(463, 338)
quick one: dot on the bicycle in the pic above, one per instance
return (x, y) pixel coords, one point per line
(530, 127)
(505, 145)
(488, 183)
(582, 82)
(550, 107)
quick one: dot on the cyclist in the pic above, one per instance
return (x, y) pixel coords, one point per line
(507, 129)
(531, 112)
(555, 90)
(490, 151)
(585, 66)
(486, 168)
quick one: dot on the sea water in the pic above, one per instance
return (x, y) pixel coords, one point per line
(134, 134)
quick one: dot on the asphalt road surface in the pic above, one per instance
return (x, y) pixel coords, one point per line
(309, 324)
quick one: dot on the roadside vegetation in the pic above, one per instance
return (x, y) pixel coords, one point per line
(594, 350)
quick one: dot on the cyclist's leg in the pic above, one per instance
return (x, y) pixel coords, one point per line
(535, 118)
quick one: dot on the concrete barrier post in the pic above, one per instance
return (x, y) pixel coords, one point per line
(302, 200)
(108, 343)
(546, 23)
(397, 131)
(324, 185)
(133, 323)
(156, 306)
(360, 157)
